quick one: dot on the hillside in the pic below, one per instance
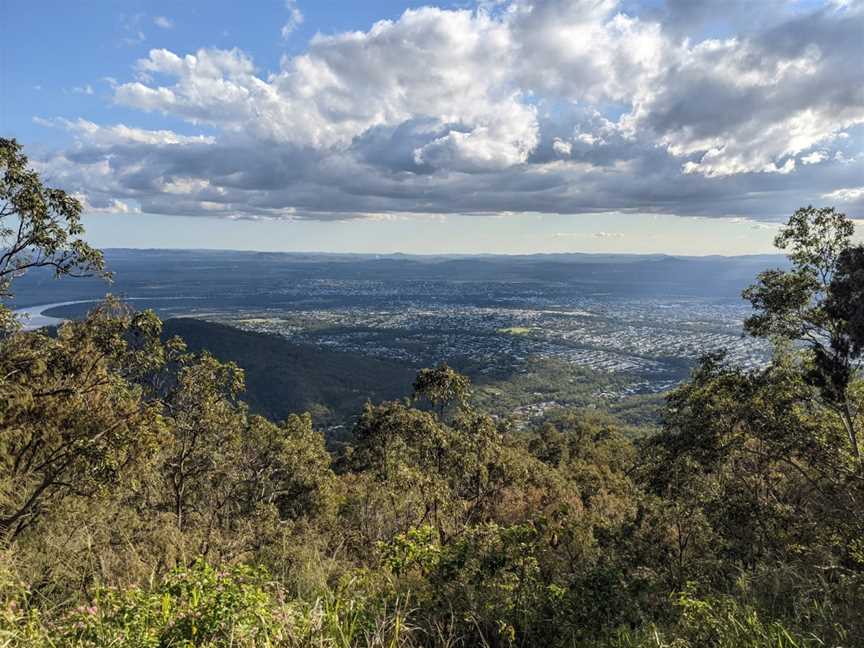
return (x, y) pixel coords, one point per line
(282, 377)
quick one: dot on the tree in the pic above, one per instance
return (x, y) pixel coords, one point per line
(40, 227)
(441, 386)
(70, 421)
(844, 306)
(817, 303)
(206, 424)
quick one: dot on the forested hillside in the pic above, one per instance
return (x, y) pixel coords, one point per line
(142, 504)
(282, 377)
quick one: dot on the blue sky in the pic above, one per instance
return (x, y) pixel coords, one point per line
(510, 126)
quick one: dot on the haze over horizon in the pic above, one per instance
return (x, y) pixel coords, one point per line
(432, 255)
(505, 126)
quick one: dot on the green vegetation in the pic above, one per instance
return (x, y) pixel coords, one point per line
(552, 385)
(40, 227)
(143, 504)
(282, 377)
(515, 330)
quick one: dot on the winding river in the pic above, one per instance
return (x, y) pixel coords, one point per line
(32, 317)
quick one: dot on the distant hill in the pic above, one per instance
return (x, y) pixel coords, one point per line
(283, 377)
(207, 278)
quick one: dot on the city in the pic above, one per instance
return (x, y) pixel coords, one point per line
(653, 340)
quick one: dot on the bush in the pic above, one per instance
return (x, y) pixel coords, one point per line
(194, 606)
(714, 623)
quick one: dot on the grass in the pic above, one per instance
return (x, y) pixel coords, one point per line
(515, 330)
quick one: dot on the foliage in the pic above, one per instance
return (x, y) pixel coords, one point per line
(40, 227)
(283, 377)
(70, 421)
(715, 623)
(815, 303)
(196, 606)
(441, 386)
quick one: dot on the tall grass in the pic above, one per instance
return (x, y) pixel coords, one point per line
(241, 608)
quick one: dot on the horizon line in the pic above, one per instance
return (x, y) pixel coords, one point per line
(443, 254)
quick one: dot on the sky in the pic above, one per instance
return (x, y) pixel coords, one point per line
(493, 126)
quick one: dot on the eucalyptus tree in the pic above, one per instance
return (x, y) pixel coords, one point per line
(40, 227)
(816, 302)
(71, 419)
(442, 386)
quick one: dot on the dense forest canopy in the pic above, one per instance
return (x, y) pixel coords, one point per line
(142, 504)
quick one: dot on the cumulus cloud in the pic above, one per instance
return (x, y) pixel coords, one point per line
(751, 104)
(556, 106)
(163, 22)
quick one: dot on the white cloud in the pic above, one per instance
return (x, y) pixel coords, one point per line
(845, 195)
(121, 134)
(815, 157)
(295, 18)
(753, 224)
(562, 147)
(564, 106)
(163, 23)
(443, 65)
(740, 106)
(109, 206)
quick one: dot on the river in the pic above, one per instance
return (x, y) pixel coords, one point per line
(32, 317)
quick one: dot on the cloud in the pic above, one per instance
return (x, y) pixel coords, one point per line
(562, 147)
(121, 134)
(815, 157)
(106, 206)
(163, 23)
(846, 195)
(750, 104)
(86, 89)
(295, 18)
(548, 106)
(597, 235)
(753, 224)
